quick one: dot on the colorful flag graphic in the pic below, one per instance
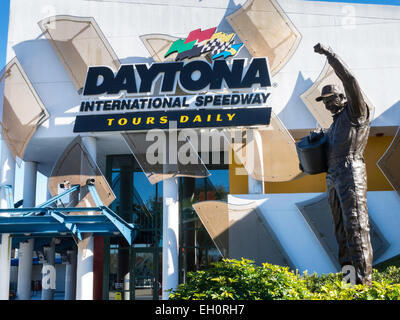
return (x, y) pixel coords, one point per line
(198, 42)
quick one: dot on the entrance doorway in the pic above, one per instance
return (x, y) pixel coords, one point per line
(146, 273)
(134, 272)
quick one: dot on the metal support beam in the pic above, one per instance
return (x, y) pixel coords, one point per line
(127, 230)
(54, 199)
(69, 225)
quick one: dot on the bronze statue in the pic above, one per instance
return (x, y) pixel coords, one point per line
(346, 178)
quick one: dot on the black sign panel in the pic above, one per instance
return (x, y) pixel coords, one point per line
(203, 118)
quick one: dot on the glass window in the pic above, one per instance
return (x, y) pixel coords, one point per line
(197, 250)
(134, 272)
(140, 202)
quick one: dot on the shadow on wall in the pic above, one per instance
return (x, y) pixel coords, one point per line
(44, 69)
(388, 118)
(48, 76)
(296, 111)
(251, 237)
(224, 26)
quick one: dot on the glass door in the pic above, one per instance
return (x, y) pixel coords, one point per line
(146, 274)
(134, 273)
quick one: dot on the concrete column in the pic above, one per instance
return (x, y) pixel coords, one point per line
(84, 272)
(29, 190)
(70, 276)
(170, 236)
(7, 175)
(14, 274)
(5, 262)
(25, 255)
(90, 145)
(26, 248)
(84, 269)
(255, 186)
(49, 271)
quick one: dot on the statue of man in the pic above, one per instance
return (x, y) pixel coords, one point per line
(346, 178)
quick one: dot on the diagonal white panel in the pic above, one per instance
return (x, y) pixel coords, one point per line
(298, 237)
(240, 230)
(158, 45)
(266, 31)
(23, 111)
(79, 43)
(75, 167)
(318, 215)
(270, 155)
(164, 167)
(389, 163)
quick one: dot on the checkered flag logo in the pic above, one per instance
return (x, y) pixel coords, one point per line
(216, 46)
(219, 45)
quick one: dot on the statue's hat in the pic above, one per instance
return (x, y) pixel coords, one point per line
(327, 91)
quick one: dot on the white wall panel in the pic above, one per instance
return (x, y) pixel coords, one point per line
(298, 239)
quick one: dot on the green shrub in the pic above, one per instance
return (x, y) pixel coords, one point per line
(377, 291)
(243, 280)
(390, 274)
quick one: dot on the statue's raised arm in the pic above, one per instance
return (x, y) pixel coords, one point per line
(357, 105)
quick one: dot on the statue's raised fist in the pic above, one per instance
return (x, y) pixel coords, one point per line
(319, 48)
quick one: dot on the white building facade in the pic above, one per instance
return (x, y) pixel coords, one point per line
(184, 217)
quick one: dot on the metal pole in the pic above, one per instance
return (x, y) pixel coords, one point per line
(7, 164)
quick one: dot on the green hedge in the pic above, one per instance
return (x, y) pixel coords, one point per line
(243, 280)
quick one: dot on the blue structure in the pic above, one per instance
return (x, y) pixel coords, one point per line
(47, 221)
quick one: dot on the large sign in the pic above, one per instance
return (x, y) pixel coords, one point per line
(193, 77)
(176, 102)
(238, 117)
(131, 90)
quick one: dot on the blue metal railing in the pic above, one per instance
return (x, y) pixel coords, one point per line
(46, 220)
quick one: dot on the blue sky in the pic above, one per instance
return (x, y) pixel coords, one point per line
(4, 12)
(385, 2)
